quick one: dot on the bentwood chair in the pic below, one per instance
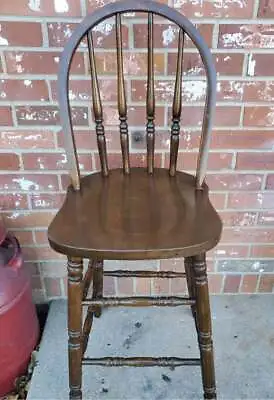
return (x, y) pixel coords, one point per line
(135, 213)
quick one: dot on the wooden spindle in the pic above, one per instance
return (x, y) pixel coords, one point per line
(122, 105)
(97, 108)
(177, 107)
(150, 98)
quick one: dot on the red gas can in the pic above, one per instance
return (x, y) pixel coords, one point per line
(19, 329)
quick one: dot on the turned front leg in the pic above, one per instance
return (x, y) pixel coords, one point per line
(98, 277)
(203, 320)
(75, 292)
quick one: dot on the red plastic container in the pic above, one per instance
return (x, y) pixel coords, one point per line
(19, 328)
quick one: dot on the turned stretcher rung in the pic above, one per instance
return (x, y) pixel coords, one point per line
(166, 301)
(145, 274)
(141, 361)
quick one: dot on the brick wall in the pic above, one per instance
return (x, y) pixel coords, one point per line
(33, 175)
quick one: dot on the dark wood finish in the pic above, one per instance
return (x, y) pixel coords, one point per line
(122, 218)
(122, 105)
(75, 270)
(97, 107)
(135, 213)
(204, 326)
(150, 97)
(171, 362)
(139, 301)
(177, 107)
(145, 274)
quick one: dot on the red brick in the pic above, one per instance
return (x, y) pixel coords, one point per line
(20, 33)
(53, 161)
(176, 264)
(218, 200)
(143, 287)
(44, 8)
(23, 90)
(12, 201)
(42, 253)
(266, 218)
(259, 91)
(136, 160)
(208, 8)
(39, 62)
(242, 140)
(9, 162)
(270, 182)
(250, 200)
(215, 161)
(134, 63)
(262, 64)
(259, 116)
(255, 161)
(262, 251)
(48, 115)
(28, 182)
(178, 286)
(266, 284)
(160, 286)
(46, 200)
(229, 251)
(248, 235)
(232, 283)
(87, 140)
(93, 5)
(249, 284)
(234, 181)
(215, 283)
(53, 287)
(229, 63)
(136, 115)
(28, 219)
(266, 9)
(125, 286)
(5, 115)
(166, 35)
(230, 90)
(41, 237)
(246, 36)
(26, 139)
(25, 238)
(232, 218)
(109, 288)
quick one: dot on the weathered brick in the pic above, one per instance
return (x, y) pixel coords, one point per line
(27, 219)
(246, 36)
(26, 139)
(230, 90)
(9, 162)
(257, 91)
(53, 161)
(255, 161)
(14, 201)
(262, 251)
(266, 284)
(215, 283)
(266, 9)
(218, 200)
(233, 218)
(266, 218)
(260, 65)
(46, 200)
(258, 116)
(232, 283)
(208, 8)
(20, 33)
(28, 182)
(270, 182)
(143, 287)
(53, 287)
(237, 139)
(125, 286)
(178, 286)
(11, 89)
(249, 284)
(215, 161)
(255, 200)
(160, 286)
(234, 181)
(136, 160)
(48, 115)
(245, 265)
(40, 62)
(248, 235)
(41, 8)
(228, 251)
(5, 115)
(41, 237)
(26, 239)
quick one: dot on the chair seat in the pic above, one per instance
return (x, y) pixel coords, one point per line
(136, 216)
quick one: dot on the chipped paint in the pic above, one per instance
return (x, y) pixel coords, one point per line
(169, 35)
(28, 82)
(251, 66)
(61, 6)
(194, 90)
(227, 58)
(34, 5)
(105, 28)
(62, 161)
(56, 59)
(3, 41)
(26, 184)
(14, 215)
(233, 39)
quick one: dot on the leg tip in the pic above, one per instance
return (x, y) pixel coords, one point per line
(75, 394)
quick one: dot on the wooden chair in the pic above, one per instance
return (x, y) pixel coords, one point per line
(135, 213)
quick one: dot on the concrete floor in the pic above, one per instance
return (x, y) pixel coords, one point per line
(244, 348)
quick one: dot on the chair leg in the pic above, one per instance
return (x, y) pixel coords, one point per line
(190, 282)
(203, 320)
(98, 284)
(75, 271)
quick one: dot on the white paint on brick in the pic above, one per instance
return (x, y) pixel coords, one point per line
(63, 160)
(18, 57)
(40, 163)
(3, 94)
(61, 6)
(233, 39)
(26, 184)
(251, 66)
(67, 31)
(194, 90)
(27, 82)
(17, 203)
(227, 58)
(3, 41)
(168, 35)
(41, 203)
(270, 117)
(56, 59)
(34, 5)
(14, 215)
(105, 28)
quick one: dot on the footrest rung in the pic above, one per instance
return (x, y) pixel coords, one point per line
(141, 361)
(145, 274)
(166, 301)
